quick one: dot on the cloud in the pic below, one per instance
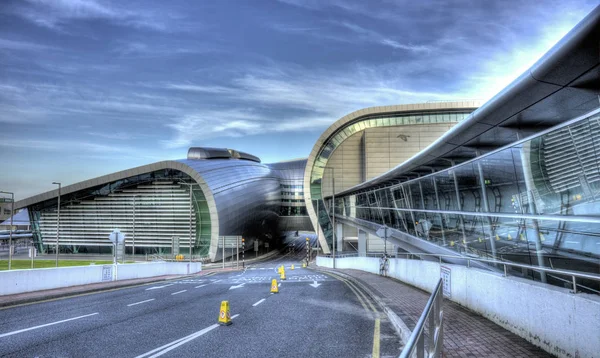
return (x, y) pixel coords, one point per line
(57, 14)
(289, 99)
(198, 88)
(7, 44)
(371, 36)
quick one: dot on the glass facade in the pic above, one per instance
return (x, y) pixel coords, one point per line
(535, 202)
(336, 139)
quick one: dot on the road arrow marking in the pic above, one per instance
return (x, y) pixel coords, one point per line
(315, 284)
(238, 286)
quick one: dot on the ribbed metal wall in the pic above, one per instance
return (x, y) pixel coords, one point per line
(571, 157)
(162, 211)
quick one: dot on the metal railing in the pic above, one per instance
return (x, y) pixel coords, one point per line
(574, 275)
(434, 315)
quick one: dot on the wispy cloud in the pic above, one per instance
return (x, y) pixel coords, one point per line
(197, 88)
(7, 44)
(57, 14)
(290, 100)
(372, 36)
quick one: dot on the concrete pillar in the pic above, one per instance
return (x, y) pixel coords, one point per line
(362, 243)
(339, 244)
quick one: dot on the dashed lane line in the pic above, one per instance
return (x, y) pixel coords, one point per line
(201, 286)
(259, 302)
(178, 292)
(46, 325)
(139, 303)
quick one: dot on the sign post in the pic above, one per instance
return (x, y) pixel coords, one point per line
(32, 254)
(383, 233)
(118, 240)
(243, 253)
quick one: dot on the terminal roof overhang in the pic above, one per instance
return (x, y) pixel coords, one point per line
(563, 84)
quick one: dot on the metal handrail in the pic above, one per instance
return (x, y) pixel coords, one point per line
(573, 274)
(434, 313)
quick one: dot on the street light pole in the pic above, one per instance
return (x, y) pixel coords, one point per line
(133, 238)
(12, 213)
(57, 220)
(333, 232)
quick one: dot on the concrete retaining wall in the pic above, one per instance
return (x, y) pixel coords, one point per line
(20, 281)
(552, 318)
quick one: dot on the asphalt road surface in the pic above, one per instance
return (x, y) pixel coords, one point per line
(313, 315)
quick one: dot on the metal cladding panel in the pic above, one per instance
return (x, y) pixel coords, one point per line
(577, 52)
(207, 153)
(247, 194)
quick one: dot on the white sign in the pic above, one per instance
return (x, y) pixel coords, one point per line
(382, 232)
(255, 245)
(445, 274)
(32, 252)
(107, 273)
(116, 236)
(266, 245)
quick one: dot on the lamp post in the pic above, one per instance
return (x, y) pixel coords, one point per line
(57, 221)
(333, 232)
(12, 213)
(190, 186)
(133, 237)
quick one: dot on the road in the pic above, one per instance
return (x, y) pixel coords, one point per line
(313, 315)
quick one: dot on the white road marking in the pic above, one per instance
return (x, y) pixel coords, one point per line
(216, 281)
(315, 284)
(238, 286)
(157, 287)
(46, 325)
(200, 286)
(178, 292)
(259, 302)
(137, 303)
(170, 346)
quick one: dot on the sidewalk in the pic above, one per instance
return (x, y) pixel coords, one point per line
(466, 334)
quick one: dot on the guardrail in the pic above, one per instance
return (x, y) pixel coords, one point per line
(434, 314)
(506, 264)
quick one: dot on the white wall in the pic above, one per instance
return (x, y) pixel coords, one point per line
(562, 323)
(20, 281)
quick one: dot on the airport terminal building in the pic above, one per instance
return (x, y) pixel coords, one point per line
(516, 178)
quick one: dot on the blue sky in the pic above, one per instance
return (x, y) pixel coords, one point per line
(92, 87)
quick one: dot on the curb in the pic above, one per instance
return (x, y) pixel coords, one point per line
(54, 296)
(401, 328)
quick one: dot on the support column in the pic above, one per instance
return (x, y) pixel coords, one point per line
(529, 186)
(459, 206)
(339, 233)
(486, 208)
(362, 243)
(439, 207)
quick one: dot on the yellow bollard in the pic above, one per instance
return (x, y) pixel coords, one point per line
(282, 275)
(224, 315)
(291, 268)
(274, 287)
(303, 265)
